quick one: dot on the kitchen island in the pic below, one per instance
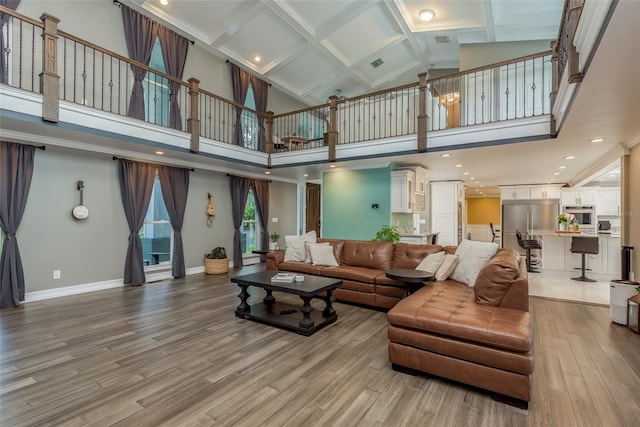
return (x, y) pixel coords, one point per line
(556, 253)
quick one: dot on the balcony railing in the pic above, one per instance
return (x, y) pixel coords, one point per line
(88, 75)
(506, 91)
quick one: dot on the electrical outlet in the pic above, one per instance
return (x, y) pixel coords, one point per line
(57, 274)
(274, 219)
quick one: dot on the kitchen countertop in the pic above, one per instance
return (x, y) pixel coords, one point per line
(582, 233)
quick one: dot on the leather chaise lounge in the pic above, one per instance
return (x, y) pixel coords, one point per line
(480, 335)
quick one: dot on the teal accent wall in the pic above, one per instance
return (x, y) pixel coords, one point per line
(347, 197)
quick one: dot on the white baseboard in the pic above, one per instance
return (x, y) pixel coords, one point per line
(99, 286)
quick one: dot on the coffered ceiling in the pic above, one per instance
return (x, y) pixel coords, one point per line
(312, 48)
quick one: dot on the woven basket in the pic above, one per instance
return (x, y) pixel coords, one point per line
(216, 266)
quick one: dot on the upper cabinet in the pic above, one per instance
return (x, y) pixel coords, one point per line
(402, 191)
(608, 202)
(546, 193)
(409, 190)
(578, 197)
(526, 192)
(515, 193)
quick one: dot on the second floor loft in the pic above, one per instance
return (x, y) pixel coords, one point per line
(78, 85)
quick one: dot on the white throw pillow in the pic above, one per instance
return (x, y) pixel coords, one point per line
(307, 253)
(295, 250)
(473, 256)
(431, 262)
(446, 268)
(322, 255)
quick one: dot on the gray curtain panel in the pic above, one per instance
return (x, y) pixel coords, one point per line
(240, 80)
(140, 33)
(175, 186)
(174, 53)
(136, 185)
(261, 194)
(239, 192)
(260, 94)
(4, 18)
(16, 170)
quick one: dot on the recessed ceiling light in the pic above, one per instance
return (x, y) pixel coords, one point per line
(466, 173)
(257, 59)
(160, 152)
(562, 167)
(458, 166)
(445, 155)
(164, 2)
(426, 15)
(556, 173)
(596, 140)
(472, 178)
(569, 157)
(267, 173)
(332, 166)
(305, 175)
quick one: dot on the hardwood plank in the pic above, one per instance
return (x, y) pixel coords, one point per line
(173, 353)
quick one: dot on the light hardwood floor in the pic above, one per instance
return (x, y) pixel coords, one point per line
(173, 353)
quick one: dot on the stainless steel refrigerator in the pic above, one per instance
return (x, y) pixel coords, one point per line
(531, 218)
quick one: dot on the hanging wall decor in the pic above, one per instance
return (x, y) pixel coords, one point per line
(80, 212)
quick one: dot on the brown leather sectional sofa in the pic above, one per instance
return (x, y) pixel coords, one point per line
(362, 268)
(481, 335)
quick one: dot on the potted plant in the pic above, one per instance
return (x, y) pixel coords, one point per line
(388, 233)
(216, 261)
(563, 220)
(273, 241)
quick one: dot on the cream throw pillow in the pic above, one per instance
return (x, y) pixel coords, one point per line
(308, 253)
(431, 262)
(473, 256)
(295, 249)
(446, 268)
(322, 255)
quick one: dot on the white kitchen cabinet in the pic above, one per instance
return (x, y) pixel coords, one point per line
(578, 197)
(422, 190)
(515, 193)
(447, 211)
(614, 256)
(608, 202)
(553, 252)
(402, 191)
(409, 190)
(545, 193)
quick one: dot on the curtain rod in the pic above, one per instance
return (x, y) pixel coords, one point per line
(118, 3)
(268, 180)
(41, 147)
(153, 163)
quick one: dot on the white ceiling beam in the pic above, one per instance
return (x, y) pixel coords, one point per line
(487, 6)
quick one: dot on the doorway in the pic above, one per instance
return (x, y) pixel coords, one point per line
(312, 203)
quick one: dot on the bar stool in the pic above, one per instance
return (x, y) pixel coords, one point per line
(584, 245)
(527, 245)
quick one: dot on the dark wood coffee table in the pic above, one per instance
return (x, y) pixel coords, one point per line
(282, 314)
(414, 279)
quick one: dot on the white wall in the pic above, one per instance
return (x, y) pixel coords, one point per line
(480, 54)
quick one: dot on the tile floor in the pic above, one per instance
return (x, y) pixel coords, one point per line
(558, 285)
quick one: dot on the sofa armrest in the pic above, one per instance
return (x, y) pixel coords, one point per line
(274, 259)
